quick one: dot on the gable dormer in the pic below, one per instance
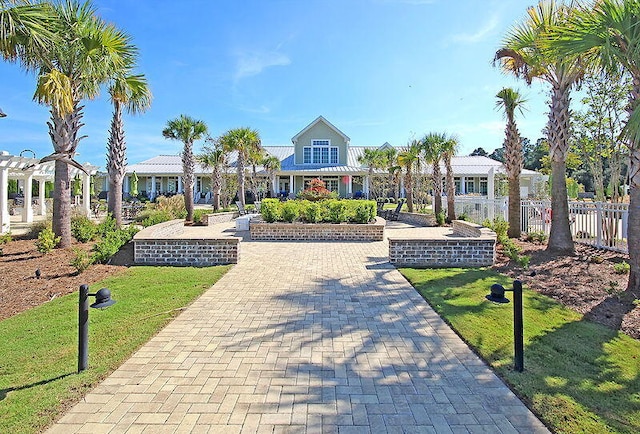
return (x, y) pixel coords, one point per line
(320, 143)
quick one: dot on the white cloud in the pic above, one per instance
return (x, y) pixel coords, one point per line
(252, 63)
(472, 38)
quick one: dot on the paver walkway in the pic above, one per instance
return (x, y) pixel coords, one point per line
(304, 337)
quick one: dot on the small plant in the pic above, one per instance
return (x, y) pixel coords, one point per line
(622, 267)
(317, 190)
(536, 237)
(198, 215)
(36, 228)
(5, 238)
(499, 226)
(596, 259)
(83, 229)
(81, 261)
(154, 217)
(464, 217)
(173, 205)
(524, 261)
(47, 241)
(613, 287)
(109, 245)
(107, 226)
(441, 218)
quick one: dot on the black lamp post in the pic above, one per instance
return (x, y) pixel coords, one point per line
(497, 296)
(103, 299)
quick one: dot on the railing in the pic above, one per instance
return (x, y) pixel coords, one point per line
(600, 224)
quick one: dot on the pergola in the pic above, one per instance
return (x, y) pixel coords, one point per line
(28, 170)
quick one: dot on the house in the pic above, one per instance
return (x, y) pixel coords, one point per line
(320, 150)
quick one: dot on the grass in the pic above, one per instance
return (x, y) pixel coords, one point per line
(580, 377)
(38, 379)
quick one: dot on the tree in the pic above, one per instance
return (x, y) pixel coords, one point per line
(373, 159)
(432, 145)
(523, 56)
(479, 152)
(87, 53)
(214, 157)
(449, 150)
(390, 164)
(244, 141)
(272, 165)
(409, 159)
(510, 101)
(187, 130)
(607, 33)
(132, 93)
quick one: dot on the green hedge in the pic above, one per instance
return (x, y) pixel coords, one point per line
(324, 211)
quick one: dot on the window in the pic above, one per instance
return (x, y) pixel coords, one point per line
(470, 186)
(320, 152)
(331, 184)
(484, 186)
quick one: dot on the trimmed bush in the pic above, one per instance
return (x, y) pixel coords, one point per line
(270, 210)
(312, 212)
(83, 229)
(46, 241)
(331, 211)
(150, 218)
(337, 211)
(109, 245)
(290, 211)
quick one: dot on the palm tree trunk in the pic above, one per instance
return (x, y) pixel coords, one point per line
(409, 188)
(188, 167)
(241, 177)
(451, 190)
(514, 208)
(216, 187)
(114, 205)
(61, 223)
(116, 159)
(437, 188)
(560, 240)
(633, 226)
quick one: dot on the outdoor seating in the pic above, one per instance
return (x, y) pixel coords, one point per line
(241, 209)
(395, 213)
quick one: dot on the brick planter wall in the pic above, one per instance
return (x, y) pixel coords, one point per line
(170, 244)
(219, 217)
(260, 230)
(459, 248)
(417, 219)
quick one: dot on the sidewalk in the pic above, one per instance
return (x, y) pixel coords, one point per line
(304, 337)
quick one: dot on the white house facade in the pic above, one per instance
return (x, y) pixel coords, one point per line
(320, 150)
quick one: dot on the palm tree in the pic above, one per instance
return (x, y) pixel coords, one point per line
(409, 159)
(132, 93)
(244, 141)
(271, 164)
(390, 164)
(449, 150)
(214, 158)
(432, 147)
(523, 56)
(187, 130)
(88, 53)
(608, 34)
(510, 101)
(373, 159)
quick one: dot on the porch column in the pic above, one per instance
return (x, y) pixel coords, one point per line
(291, 190)
(463, 185)
(27, 210)
(491, 188)
(152, 193)
(274, 185)
(86, 195)
(5, 225)
(365, 187)
(180, 188)
(125, 184)
(349, 185)
(41, 197)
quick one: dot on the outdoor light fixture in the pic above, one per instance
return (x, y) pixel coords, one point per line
(2, 114)
(103, 300)
(497, 296)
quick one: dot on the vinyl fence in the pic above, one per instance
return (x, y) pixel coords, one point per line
(600, 224)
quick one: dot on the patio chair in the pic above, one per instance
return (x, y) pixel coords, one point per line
(241, 209)
(257, 207)
(395, 214)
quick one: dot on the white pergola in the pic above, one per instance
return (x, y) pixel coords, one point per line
(28, 170)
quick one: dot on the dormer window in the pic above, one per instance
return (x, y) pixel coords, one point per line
(320, 152)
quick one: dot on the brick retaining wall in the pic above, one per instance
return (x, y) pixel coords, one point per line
(316, 231)
(454, 249)
(219, 217)
(417, 219)
(170, 244)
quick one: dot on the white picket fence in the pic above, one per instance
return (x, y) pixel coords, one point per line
(603, 225)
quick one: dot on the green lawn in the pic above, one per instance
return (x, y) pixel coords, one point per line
(579, 377)
(39, 348)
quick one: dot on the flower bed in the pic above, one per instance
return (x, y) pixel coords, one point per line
(323, 211)
(280, 231)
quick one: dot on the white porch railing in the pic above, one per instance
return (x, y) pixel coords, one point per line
(600, 224)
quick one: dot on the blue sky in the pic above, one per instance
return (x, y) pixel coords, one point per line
(380, 70)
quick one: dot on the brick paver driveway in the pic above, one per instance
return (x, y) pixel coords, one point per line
(304, 337)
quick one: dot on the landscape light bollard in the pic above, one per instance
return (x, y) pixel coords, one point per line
(103, 299)
(497, 296)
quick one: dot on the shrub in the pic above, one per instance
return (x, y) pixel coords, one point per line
(107, 226)
(337, 211)
(5, 238)
(109, 245)
(364, 212)
(441, 218)
(499, 226)
(81, 261)
(173, 205)
(622, 268)
(270, 210)
(464, 217)
(290, 211)
(36, 228)
(536, 237)
(151, 218)
(316, 191)
(83, 229)
(312, 212)
(46, 241)
(198, 214)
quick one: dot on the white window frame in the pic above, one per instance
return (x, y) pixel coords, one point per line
(320, 151)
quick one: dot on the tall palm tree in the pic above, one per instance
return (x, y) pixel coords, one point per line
(510, 101)
(432, 147)
(373, 159)
(244, 141)
(88, 54)
(523, 56)
(272, 165)
(409, 159)
(390, 164)
(132, 93)
(607, 33)
(187, 130)
(449, 150)
(214, 158)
